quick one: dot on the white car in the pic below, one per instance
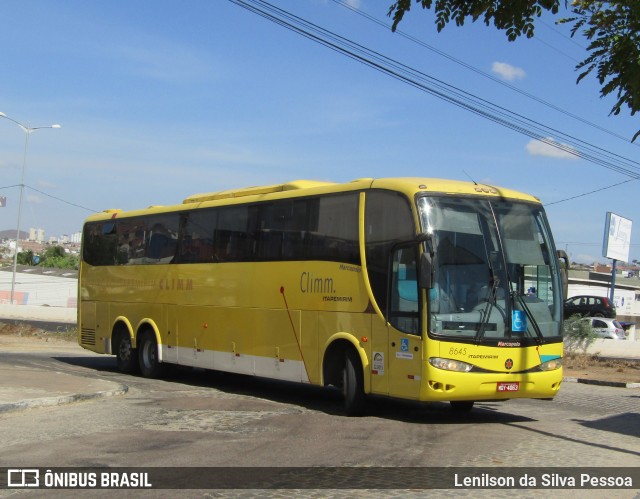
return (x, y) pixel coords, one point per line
(606, 328)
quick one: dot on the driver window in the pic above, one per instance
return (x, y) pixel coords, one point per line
(403, 304)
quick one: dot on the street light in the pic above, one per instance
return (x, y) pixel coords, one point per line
(28, 130)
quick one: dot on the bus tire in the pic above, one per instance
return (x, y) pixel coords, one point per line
(126, 355)
(461, 405)
(353, 385)
(150, 366)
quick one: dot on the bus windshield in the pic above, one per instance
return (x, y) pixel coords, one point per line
(494, 273)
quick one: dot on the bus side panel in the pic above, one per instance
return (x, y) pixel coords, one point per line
(87, 324)
(311, 346)
(170, 343)
(277, 344)
(103, 327)
(195, 328)
(261, 342)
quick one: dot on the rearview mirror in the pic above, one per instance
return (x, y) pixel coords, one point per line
(425, 275)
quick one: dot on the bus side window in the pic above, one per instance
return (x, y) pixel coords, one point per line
(130, 233)
(100, 243)
(196, 236)
(162, 238)
(235, 233)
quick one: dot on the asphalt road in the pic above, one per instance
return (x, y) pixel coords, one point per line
(209, 419)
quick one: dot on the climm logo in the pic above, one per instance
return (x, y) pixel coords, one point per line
(310, 283)
(176, 284)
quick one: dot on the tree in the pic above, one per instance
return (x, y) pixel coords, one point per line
(578, 335)
(25, 258)
(612, 29)
(56, 257)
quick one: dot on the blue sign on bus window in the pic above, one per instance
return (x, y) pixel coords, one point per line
(518, 321)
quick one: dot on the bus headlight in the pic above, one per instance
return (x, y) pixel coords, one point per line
(450, 364)
(551, 365)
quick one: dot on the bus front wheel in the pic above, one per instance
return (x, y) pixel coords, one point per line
(353, 385)
(126, 355)
(150, 366)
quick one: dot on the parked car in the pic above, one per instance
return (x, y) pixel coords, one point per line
(589, 306)
(604, 327)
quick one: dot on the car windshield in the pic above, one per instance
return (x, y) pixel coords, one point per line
(494, 273)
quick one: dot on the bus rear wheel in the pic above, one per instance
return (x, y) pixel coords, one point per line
(126, 355)
(353, 385)
(150, 365)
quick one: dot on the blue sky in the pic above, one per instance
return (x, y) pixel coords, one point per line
(160, 100)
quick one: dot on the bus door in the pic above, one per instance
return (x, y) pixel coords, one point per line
(403, 324)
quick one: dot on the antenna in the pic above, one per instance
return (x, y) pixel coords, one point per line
(474, 182)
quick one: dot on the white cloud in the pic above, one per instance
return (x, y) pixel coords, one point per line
(507, 71)
(539, 148)
(34, 199)
(45, 184)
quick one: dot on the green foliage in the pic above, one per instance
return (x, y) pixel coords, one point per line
(53, 257)
(26, 258)
(514, 16)
(60, 262)
(612, 28)
(578, 335)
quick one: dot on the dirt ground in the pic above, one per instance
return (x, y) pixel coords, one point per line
(577, 366)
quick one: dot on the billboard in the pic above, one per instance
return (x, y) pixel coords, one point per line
(617, 237)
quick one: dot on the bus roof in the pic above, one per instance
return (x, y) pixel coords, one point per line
(406, 185)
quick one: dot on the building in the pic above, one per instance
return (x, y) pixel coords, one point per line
(36, 235)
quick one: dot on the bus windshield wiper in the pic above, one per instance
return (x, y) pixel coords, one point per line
(491, 301)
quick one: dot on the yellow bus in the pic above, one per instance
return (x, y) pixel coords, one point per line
(414, 288)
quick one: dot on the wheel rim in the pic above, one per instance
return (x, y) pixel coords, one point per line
(148, 356)
(124, 350)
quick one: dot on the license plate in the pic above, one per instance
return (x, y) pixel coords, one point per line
(504, 386)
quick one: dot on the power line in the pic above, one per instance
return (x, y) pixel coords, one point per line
(441, 89)
(570, 57)
(590, 192)
(568, 38)
(61, 200)
(52, 197)
(484, 73)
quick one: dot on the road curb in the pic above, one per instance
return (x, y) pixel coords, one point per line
(61, 400)
(586, 381)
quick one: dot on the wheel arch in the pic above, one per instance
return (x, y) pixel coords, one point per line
(149, 325)
(333, 359)
(121, 325)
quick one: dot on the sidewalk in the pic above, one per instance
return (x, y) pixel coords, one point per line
(29, 386)
(25, 388)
